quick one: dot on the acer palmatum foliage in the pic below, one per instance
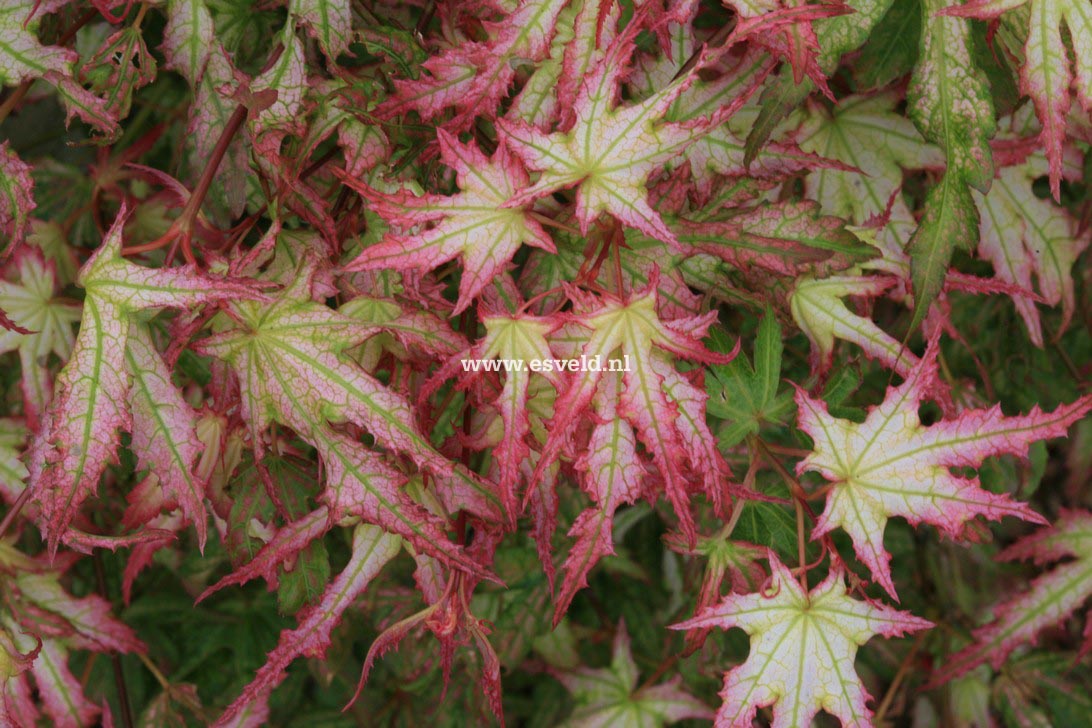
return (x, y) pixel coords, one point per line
(803, 647)
(840, 247)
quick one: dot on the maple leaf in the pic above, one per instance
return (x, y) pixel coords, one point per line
(822, 314)
(277, 97)
(949, 98)
(610, 151)
(625, 145)
(80, 435)
(835, 36)
(866, 134)
(641, 259)
(611, 475)
(329, 21)
(51, 239)
(721, 151)
(22, 56)
(666, 411)
(365, 146)
(1024, 236)
(1036, 687)
(409, 331)
(1050, 599)
(594, 29)
(372, 548)
(473, 77)
(273, 349)
(168, 709)
(303, 334)
(474, 224)
(16, 199)
(802, 649)
(796, 41)
(785, 238)
(286, 82)
(950, 219)
(745, 395)
(892, 465)
(191, 47)
(736, 561)
(518, 337)
(537, 102)
(449, 617)
(610, 697)
(287, 543)
(188, 39)
(80, 102)
(120, 66)
(164, 436)
(31, 300)
(950, 103)
(16, 708)
(60, 695)
(39, 626)
(88, 622)
(1046, 75)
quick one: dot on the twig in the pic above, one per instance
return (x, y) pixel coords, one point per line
(425, 19)
(159, 676)
(550, 222)
(662, 668)
(797, 490)
(240, 230)
(791, 452)
(904, 669)
(13, 99)
(183, 226)
(115, 658)
(801, 546)
(715, 40)
(17, 506)
(737, 507)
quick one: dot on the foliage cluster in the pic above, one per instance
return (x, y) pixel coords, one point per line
(248, 246)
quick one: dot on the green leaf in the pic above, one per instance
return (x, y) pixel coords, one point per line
(950, 220)
(12, 470)
(304, 583)
(768, 351)
(767, 524)
(949, 101)
(843, 382)
(32, 302)
(892, 49)
(610, 696)
(1050, 599)
(747, 396)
